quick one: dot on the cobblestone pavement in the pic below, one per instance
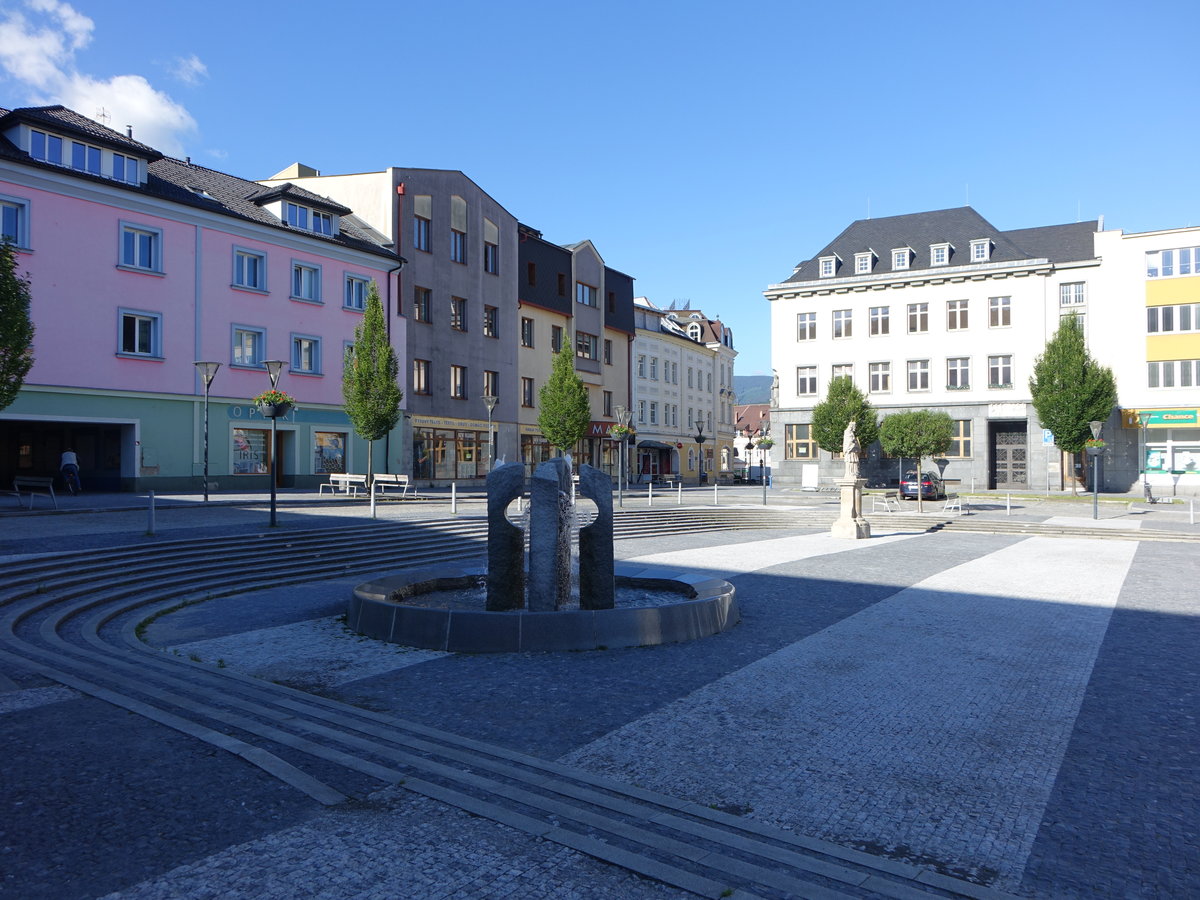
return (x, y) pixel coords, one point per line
(1024, 709)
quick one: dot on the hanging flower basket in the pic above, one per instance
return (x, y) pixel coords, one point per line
(274, 404)
(765, 443)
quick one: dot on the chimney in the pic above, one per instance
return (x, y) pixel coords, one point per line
(129, 131)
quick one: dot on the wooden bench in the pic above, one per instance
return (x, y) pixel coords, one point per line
(346, 483)
(34, 485)
(889, 500)
(953, 504)
(382, 483)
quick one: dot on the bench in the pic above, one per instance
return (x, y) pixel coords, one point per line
(953, 504)
(33, 485)
(347, 484)
(889, 500)
(382, 483)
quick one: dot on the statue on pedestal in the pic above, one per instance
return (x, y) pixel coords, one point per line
(851, 449)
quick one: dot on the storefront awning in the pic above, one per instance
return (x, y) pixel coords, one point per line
(654, 445)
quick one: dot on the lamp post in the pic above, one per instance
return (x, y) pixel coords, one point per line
(700, 439)
(208, 371)
(623, 417)
(1094, 453)
(490, 402)
(273, 367)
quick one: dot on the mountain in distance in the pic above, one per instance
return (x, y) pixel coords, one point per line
(752, 389)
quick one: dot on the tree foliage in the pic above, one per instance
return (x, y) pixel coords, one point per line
(16, 327)
(1069, 388)
(369, 377)
(843, 402)
(564, 409)
(917, 434)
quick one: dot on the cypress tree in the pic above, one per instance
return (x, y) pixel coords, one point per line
(564, 412)
(16, 327)
(369, 378)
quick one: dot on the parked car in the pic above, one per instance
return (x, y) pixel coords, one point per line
(932, 486)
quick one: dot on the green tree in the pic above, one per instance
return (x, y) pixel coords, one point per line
(369, 378)
(916, 434)
(563, 400)
(1069, 388)
(843, 402)
(16, 327)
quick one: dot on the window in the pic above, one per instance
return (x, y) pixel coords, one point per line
(125, 168)
(562, 285)
(806, 380)
(141, 333)
(1079, 316)
(1181, 317)
(1173, 373)
(556, 338)
(918, 318)
(491, 384)
(958, 373)
(491, 259)
(607, 352)
(458, 313)
(1000, 372)
(306, 282)
(458, 382)
(607, 404)
(85, 158)
(306, 354)
(939, 254)
(141, 248)
(421, 233)
(918, 374)
(420, 377)
(585, 294)
(249, 270)
(842, 323)
(642, 413)
(653, 412)
(526, 332)
(14, 221)
(956, 315)
(1170, 263)
(641, 366)
(329, 452)
(880, 377)
(654, 368)
(674, 373)
(691, 383)
(1072, 294)
(879, 321)
(960, 444)
(322, 223)
(46, 147)
(999, 312)
(806, 326)
(587, 346)
(828, 266)
(248, 345)
(612, 301)
(527, 392)
(458, 246)
(531, 274)
(422, 304)
(355, 293)
(798, 442)
(981, 250)
(491, 322)
(863, 262)
(901, 257)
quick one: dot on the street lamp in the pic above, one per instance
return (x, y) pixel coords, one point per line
(490, 402)
(273, 367)
(1094, 453)
(623, 417)
(208, 371)
(700, 439)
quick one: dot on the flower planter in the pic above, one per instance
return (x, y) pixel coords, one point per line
(274, 410)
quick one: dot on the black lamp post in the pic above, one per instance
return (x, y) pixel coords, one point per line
(623, 417)
(208, 371)
(490, 402)
(700, 439)
(1094, 453)
(273, 367)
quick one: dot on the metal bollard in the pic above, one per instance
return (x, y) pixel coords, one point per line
(150, 515)
(649, 493)
(453, 498)
(1192, 511)
(714, 493)
(1008, 504)
(679, 492)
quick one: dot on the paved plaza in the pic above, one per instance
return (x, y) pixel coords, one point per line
(1019, 711)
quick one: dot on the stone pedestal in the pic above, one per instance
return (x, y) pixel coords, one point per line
(850, 523)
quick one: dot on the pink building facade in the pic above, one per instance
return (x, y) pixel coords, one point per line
(141, 265)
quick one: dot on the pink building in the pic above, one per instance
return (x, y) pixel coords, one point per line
(140, 265)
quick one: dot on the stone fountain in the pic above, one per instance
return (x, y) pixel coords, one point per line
(531, 608)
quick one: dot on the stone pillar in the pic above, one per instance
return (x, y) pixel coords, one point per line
(597, 587)
(850, 523)
(506, 542)
(550, 536)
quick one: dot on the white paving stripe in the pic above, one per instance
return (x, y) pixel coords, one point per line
(1124, 524)
(32, 698)
(930, 725)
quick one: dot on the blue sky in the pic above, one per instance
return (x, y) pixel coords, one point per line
(704, 147)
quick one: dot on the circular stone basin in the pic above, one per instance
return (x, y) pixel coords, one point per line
(379, 609)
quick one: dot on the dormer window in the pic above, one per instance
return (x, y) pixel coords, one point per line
(939, 254)
(901, 257)
(125, 168)
(46, 147)
(863, 263)
(309, 219)
(828, 266)
(981, 250)
(83, 157)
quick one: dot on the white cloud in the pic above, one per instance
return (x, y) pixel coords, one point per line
(190, 70)
(38, 50)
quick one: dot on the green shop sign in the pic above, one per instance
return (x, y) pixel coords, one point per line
(1171, 417)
